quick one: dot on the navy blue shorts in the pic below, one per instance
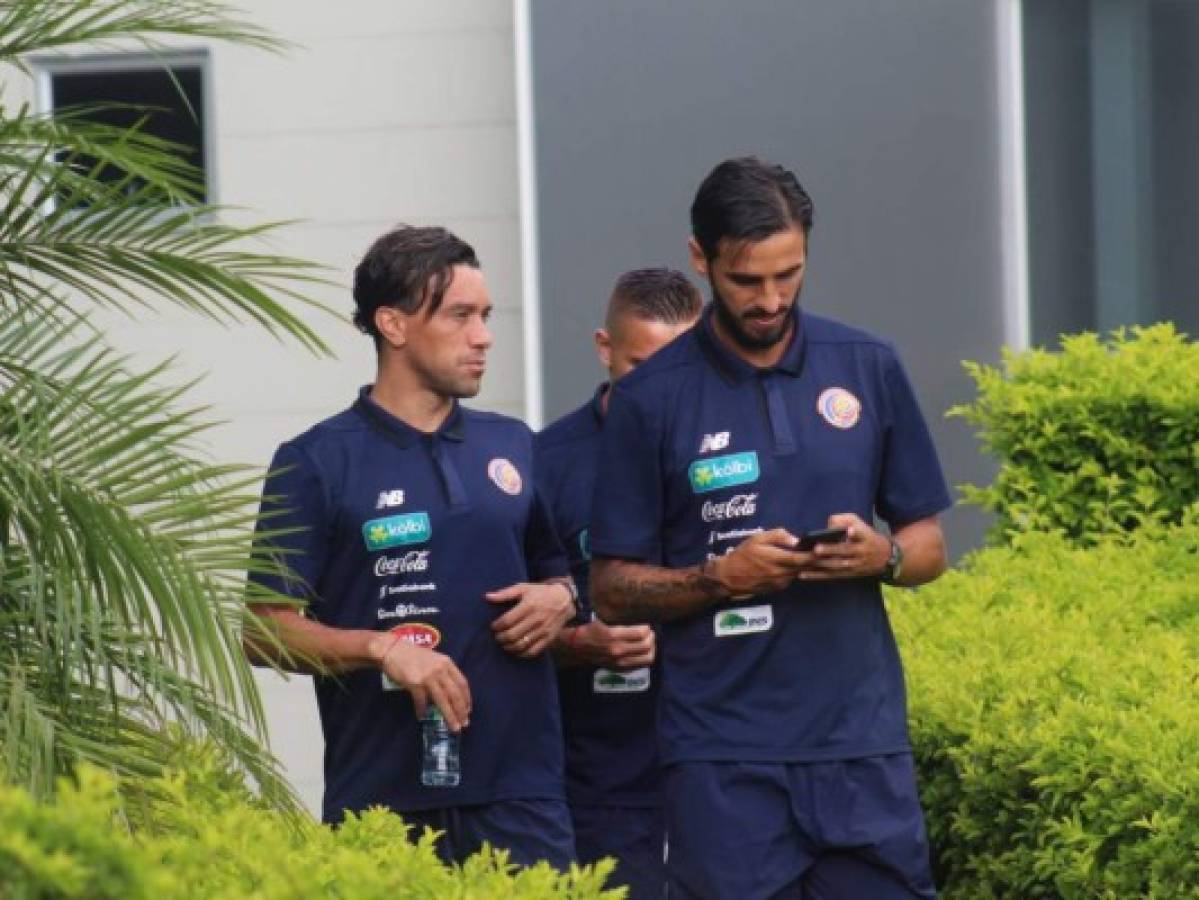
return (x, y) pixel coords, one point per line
(530, 830)
(634, 837)
(817, 831)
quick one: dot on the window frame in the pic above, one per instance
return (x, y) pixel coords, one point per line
(45, 67)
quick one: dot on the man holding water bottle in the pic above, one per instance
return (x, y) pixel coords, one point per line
(432, 579)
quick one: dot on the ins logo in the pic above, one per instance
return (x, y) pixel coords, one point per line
(736, 507)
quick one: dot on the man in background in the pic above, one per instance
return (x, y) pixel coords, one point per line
(607, 681)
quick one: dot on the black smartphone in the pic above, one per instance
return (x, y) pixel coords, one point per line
(809, 539)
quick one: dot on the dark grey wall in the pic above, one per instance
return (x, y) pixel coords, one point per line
(1175, 80)
(1061, 218)
(886, 111)
(1074, 66)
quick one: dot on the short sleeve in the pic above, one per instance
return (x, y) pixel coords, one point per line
(292, 528)
(627, 507)
(544, 555)
(912, 485)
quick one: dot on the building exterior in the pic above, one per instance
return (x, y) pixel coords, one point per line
(985, 174)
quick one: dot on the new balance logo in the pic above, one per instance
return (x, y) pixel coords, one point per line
(388, 499)
(713, 442)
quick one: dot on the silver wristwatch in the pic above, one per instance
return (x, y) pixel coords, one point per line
(894, 564)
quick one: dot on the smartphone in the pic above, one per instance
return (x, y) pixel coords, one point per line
(809, 539)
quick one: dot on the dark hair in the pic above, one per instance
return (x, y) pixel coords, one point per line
(656, 295)
(747, 199)
(405, 268)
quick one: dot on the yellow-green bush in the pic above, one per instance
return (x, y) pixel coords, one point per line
(1095, 440)
(1054, 701)
(200, 841)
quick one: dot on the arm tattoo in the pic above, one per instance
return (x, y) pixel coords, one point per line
(632, 592)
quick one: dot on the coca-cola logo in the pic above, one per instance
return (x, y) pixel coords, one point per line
(412, 561)
(736, 507)
(418, 633)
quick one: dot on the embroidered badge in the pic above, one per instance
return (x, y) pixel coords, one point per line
(504, 475)
(840, 408)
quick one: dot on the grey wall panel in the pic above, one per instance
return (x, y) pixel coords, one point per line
(1061, 217)
(1175, 30)
(886, 111)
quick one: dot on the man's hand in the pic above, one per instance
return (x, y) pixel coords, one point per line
(620, 647)
(762, 563)
(863, 553)
(530, 626)
(429, 676)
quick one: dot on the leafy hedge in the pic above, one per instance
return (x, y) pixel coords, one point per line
(199, 839)
(1054, 698)
(1095, 440)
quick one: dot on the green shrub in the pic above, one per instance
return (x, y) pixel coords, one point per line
(1055, 718)
(204, 841)
(1097, 439)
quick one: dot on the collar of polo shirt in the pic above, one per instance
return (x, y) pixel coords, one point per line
(733, 368)
(400, 431)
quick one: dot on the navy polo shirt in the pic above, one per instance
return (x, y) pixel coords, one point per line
(607, 717)
(395, 529)
(700, 450)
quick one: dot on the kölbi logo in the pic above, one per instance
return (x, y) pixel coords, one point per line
(412, 561)
(736, 507)
(395, 531)
(723, 471)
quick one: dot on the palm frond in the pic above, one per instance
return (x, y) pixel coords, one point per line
(38, 26)
(123, 549)
(117, 244)
(121, 564)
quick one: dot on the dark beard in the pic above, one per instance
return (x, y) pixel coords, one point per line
(731, 324)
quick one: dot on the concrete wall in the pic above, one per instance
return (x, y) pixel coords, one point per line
(888, 112)
(384, 111)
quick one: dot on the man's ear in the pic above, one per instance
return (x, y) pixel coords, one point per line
(603, 347)
(699, 261)
(392, 325)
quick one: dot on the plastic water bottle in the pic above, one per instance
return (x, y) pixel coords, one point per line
(439, 762)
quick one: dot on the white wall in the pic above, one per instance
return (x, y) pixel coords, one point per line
(385, 111)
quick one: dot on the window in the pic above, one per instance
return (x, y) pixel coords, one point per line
(169, 88)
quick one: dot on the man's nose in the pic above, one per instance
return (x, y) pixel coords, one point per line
(481, 336)
(773, 296)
